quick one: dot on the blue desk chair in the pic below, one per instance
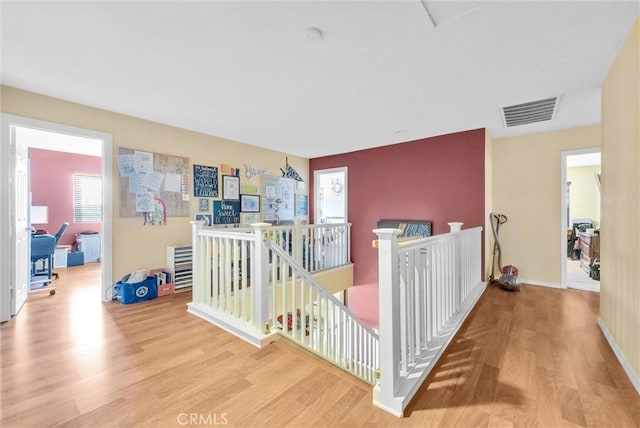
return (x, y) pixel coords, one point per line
(43, 247)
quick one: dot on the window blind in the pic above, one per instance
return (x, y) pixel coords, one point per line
(87, 196)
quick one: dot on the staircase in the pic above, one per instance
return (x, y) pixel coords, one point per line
(264, 283)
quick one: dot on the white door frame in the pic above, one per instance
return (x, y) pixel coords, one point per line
(7, 235)
(563, 207)
(316, 190)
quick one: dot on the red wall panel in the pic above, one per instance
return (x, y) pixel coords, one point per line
(440, 179)
(51, 182)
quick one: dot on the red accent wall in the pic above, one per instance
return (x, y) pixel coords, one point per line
(440, 179)
(51, 182)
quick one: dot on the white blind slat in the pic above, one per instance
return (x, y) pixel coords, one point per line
(87, 198)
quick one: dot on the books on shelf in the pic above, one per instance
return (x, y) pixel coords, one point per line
(163, 276)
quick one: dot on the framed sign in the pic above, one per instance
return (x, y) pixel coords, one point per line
(278, 200)
(230, 187)
(226, 212)
(249, 218)
(302, 205)
(249, 203)
(206, 217)
(205, 181)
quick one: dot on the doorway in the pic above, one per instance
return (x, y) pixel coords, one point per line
(330, 195)
(581, 219)
(65, 181)
(13, 263)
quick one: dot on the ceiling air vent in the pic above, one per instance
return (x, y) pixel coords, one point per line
(531, 112)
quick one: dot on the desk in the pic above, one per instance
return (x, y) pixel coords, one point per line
(590, 249)
(60, 256)
(42, 250)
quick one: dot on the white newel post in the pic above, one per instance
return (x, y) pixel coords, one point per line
(389, 312)
(455, 226)
(196, 227)
(260, 278)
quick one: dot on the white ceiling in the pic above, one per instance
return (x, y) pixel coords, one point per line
(381, 73)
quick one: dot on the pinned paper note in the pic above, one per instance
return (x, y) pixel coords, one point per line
(143, 162)
(126, 165)
(153, 180)
(172, 182)
(144, 202)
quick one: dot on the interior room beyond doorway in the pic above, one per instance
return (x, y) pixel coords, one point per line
(583, 221)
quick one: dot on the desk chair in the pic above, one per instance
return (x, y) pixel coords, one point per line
(43, 248)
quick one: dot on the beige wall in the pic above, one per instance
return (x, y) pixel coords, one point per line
(620, 229)
(527, 189)
(585, 196)
(136, 246)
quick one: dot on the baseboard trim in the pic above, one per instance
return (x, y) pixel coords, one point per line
(231, 325)
(633, 377)
(542, 283)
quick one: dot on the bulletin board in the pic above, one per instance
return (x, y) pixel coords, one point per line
(143, 174)
(278, 199)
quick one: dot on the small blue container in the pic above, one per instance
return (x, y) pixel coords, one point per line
(75, 258)
(138, 291)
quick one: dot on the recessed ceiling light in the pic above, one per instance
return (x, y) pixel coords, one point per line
(312, 34)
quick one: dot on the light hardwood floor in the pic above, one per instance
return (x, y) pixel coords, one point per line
(533, 358)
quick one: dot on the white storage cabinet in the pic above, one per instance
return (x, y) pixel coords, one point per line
(179, 261)
(91, 245)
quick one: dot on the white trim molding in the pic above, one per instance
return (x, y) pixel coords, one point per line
(541, 283)
(6, 262)
(231, 324)
(633, 377)
(6, 205)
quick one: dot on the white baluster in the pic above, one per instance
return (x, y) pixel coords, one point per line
(198, 277)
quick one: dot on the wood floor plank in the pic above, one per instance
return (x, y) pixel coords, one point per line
(533, 358)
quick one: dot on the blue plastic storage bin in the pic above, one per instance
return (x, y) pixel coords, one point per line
(138, 291)
(75, 258)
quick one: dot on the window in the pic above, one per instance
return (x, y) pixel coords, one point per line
(87, 198)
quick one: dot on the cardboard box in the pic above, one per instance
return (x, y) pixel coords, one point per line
(166, 289)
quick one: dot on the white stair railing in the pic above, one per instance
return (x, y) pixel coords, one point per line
(231, 270)
(427, 288)
(315, 246)
(228, 285)
(256, 284)
(305, 312)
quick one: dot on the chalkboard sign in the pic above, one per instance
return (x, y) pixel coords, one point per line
(408, 227)
(205, 181)
(226, 212)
